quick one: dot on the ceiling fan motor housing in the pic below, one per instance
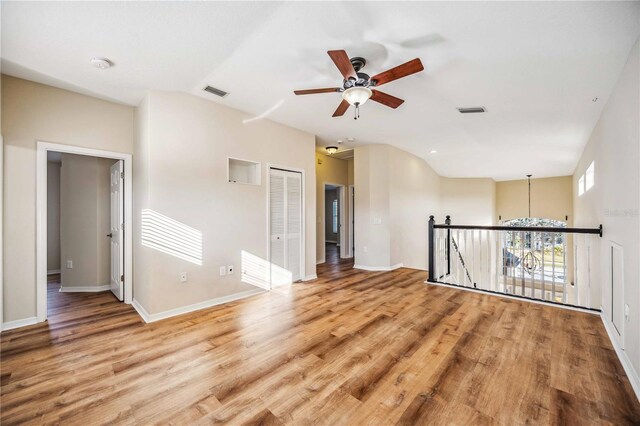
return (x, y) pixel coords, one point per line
(363, 79)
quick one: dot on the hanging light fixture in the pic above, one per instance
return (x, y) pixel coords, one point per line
(331, 150)
(357, 96)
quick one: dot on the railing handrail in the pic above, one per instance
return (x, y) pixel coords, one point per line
(596, 231)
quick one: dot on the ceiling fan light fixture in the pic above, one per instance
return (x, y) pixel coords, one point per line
(357, 95)
(331, 150)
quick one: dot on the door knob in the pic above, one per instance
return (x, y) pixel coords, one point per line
(110, 235)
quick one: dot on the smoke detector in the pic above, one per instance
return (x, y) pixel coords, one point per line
(102, 63)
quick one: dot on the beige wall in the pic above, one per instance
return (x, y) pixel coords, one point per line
(614, 201)
(551, 198)
(31, 112)
(181, 173)
(53, 216)
(468, 201)
(328, 170)
(84, 220)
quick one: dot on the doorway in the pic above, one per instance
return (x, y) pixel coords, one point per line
(334, 230)
(93, 213)
(286, 225)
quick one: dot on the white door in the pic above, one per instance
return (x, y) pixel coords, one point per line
(285, 212)
(116, 231)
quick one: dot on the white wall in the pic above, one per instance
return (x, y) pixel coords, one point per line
(614, 201)
(53, 216)
(468, 201)
(84, 220)
(180, 172)
(31, 112)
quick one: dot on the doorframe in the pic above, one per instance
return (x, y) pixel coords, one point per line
(303, 259)
(352, 217)
(41, 217)
(342, 240)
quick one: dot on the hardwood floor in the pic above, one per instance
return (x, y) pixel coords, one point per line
(352, 348)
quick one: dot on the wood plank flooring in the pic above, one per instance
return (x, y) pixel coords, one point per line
(349, 348)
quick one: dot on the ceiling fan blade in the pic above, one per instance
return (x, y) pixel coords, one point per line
(313, 91)
(386, 99)
(341, 59)
(342, 108)
(400, 71)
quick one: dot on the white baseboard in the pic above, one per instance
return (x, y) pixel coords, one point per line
(53, 272)
(378, 268)
(321, 261)
(10, 325)
(632, 374)
(310, 277)
(147, 317)
(85, 289)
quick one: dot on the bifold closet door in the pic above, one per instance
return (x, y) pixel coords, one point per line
(285, 212)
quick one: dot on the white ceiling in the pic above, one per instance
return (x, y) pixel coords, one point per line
(535, 66)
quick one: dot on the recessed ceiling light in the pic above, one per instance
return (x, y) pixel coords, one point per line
(102, 63)
(339, 141)
(433, 151)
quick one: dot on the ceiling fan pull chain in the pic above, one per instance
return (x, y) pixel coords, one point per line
(357, 111)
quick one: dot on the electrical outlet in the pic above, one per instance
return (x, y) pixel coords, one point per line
(183, 277)
(223, 271)
(229, 269)
(69, 264)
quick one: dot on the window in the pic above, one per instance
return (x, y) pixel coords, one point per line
(335, 216)
(581, 185)
(590, 177)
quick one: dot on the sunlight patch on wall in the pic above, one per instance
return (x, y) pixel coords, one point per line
(261, 273)
(169, 236)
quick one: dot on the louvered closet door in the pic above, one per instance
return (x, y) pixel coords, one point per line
(285, 209)
(294, 224)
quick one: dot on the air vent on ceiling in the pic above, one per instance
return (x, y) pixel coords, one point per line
(215, 91)
(472, 110)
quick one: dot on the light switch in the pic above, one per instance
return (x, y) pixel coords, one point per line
(223, 271)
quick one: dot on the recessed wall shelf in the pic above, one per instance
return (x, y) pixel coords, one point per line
(243, 172)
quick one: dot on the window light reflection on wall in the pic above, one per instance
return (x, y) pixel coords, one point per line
(169, 236)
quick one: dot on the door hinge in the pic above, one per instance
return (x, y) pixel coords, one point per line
(122, 278)
(121, 175)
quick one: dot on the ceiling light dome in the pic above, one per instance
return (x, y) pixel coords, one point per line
(357, 95)
(331, 149)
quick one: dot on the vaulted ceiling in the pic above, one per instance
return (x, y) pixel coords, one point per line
(535, 66)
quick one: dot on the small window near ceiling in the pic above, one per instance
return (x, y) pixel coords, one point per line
(581, 185)
(335, 216)
(590, 177)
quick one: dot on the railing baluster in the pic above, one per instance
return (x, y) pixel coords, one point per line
(564, 268)
(544, 247)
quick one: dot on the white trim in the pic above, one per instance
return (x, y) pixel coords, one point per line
(351, 219)
(310, 277)
(323, 260)
(54, 271)
(378, 268)
(10, 325)
(303, 258)
(147, 317)
(632, 374)
(85, 289)
(41, 217)
(521, 299)
(609, 292)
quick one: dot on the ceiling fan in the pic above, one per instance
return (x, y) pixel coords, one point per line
(358, 87)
